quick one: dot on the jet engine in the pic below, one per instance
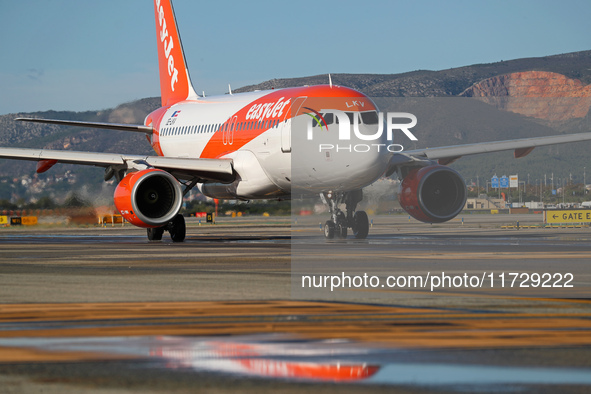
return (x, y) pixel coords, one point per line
(433, 194)
(148, 198)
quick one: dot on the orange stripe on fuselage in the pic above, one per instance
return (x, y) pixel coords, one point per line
(277, 106)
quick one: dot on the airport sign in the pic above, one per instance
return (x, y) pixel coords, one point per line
(504, 181)
(567, 216)
(514, 181)
(494, 182)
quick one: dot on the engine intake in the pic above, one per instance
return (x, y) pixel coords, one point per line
(148, 198)
(433, 194)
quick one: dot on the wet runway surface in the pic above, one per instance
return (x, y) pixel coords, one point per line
(102, 309)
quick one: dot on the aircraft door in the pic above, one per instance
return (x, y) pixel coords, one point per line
(286, 127)
(228, 132)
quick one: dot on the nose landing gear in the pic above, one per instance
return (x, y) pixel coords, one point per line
(340, 222)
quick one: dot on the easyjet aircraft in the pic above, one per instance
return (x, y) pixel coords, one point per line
(239, 146)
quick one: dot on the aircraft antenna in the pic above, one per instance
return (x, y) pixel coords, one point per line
(329, 80)
(229, 89)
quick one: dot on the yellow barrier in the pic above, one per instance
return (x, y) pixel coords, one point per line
(111, 219)
(29, 220)
(3, 220)
(494, 211)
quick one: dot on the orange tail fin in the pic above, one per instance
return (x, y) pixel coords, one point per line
(175, 84)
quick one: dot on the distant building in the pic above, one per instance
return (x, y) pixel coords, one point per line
(485, 203)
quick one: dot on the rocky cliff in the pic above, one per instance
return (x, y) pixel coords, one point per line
(540, 94)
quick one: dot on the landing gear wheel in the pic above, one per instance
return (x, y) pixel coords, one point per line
(155, 234)
(329, 228)
(360, 225)
(177, 228)
(341, 226)
(342, 231)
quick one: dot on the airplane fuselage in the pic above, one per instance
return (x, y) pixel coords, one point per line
(265, 134)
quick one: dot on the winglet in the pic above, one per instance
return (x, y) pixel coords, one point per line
(175, 84)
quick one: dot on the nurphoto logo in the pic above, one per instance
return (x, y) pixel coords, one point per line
(363, 126)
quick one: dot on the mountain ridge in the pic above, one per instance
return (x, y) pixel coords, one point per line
(424, 84)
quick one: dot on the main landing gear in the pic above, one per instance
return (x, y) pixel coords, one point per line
(176, 227)
(340, 222)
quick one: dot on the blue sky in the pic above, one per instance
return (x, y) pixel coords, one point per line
(91, 55)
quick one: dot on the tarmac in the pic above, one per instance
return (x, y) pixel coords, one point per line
(103, 310)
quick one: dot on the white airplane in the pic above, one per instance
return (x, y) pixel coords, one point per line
(239, 146)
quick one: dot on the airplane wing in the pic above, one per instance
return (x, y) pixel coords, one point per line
(97, 125)
(220, 170)
(448, 154)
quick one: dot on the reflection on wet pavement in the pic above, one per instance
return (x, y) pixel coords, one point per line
(288, 357)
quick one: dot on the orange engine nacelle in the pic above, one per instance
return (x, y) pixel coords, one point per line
(433, 194)
(148, 198)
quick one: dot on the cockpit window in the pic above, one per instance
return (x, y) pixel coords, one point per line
(349, 114)
(370, 117)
